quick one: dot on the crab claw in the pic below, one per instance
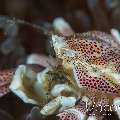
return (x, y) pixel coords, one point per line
(58, 105)
(84, 110)
(24, 79)
(5, 80)
(79, 112)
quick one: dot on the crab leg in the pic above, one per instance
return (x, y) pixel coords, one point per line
(58, 105)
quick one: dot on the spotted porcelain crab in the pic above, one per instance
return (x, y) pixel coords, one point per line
(83, 84)
(93, 64)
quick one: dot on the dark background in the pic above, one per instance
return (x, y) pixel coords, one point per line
(82, 15)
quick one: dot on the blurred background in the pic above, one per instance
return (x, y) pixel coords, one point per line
(82, 15)
(19, 41)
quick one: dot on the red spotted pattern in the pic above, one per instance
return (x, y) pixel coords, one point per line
(95, 47)
(101, 84)
(73, 114)
(68, 115)
(5, 79)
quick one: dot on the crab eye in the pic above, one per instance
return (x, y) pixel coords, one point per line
(94, 69)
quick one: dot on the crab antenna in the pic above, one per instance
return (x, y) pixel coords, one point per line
(19, 21)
